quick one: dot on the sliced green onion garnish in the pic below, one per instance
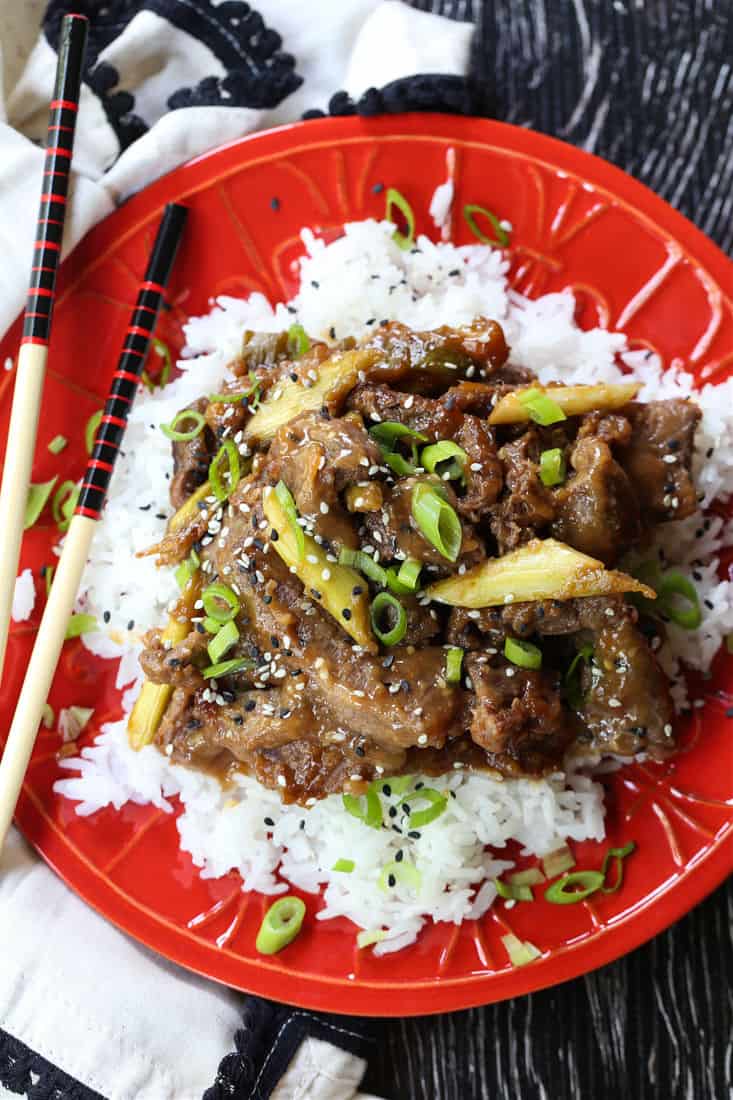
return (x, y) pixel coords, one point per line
(80, 624)
(469, 212)
(212, 599)
(367, 809)
(226, 668)
(574, 887)
(233, 398)
(396, 199)
(370, 936)
(677, 599)
(162, 378)
(287, 503)
(211, 626)
(555, 863)
(403, 872)
(222, 641)
(48, 718)
(48, 578)
(365, 564)
(571, 679)
(437, 521)
(281, 924)
(453, 663)
(532, 876)
(57, 444)
(520, 952)
(619, 855)
(36, 501)
(183, 435)
(398, 464)
(228, 456)
(345, 865)
(397, 784)
(523, 654)
(186, 570)
(298, 341)
(541, 408)
(387, 609)
(437, 804)
(552, 467)
(395, 584)
(388, 431)
(446, 459)
(64, 503)
(90, 430)
(513, 891)
(404, 581)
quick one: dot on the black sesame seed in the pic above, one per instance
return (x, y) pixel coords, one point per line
(696, 576)
(269, 821)
(397, 829)
(377, 188)
(284, 712)
(388, 661)
(455, 271)
(413, 834)
(250, 705)
(274, 642)
(357, 590)
(275, 202)
(419, 786)
(399, 856)
(301, 824)
(200, 628)
(106, 616)
(391, 880)
(386, 789)
(131, 624)
(160, 515)
(709, 452)
(267, 599)
(315, 593)
(274, 535)
(238, 720)
(314, 284)
(405, 686)
(145, 507)
(360, 751)
(708, 604)
(406, 807)
(291, 309)
(346, 613)
(293, 376)
(393, 809)
(332, 332)
(674, 444)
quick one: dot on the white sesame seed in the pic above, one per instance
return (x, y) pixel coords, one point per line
(475, 466)
(511, 672)
(282, 781)
(669, 459)
(324, 508)
(614, 702)
(668, 730)
(422, 739)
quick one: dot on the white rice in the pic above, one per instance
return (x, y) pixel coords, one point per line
(24, 597)
(346, 288)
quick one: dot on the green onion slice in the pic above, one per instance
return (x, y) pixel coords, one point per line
(552, 467)
(365, 564)
(405, 580)
(280, 925)
(619, 855)
(48, 578)
(186, 570)
(677, 599)
(57, 444)
(554, 863)
(183, 435)
(162, 377)
(212, 599)
(369, 936)
(80, 624)
(345, 865)
(398, 200)
(90, 430)
(222, 641)
(437, 521)
(233, 398)
(298, 341)
(446, 459)
(397, 784)
(532, 876)
(523, 654)
(437, 804)
(572, 677)
(541, 408)
(520, 952)
(398, 465)
(64, 503)
(385, 608)
(226, 668)
(287, 504)
(577, 886)
(48, 717)
(388, 431)
(227, 455)
(453, 663)
(211, 626)
(368, 809)
(403, 872)
(513, 891)
(469, 213)
(36, 501)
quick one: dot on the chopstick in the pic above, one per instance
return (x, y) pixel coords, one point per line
(52, 631)
(33, 352)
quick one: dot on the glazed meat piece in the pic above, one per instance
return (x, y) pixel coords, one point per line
(429, 362)
(544, 617)
(658, 459)
(526, 506)
(483, 470)
(191, 459)
(180, 666)
(596, 510)
(423, 414)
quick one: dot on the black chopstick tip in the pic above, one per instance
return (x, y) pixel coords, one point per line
(167, 241)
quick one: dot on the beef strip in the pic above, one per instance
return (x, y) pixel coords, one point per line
(526, 506)
(191, 459)
(428, 362)
(180, 665)
(658, 458)
(423, 414)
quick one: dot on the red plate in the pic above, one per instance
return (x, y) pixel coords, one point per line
(577, 222)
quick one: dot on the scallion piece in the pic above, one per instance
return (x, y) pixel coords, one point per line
(437, 804)
(571, 680)
(513, 891)
(226, 668)
(233, 398)
(90, 430)
(186, 570)
(57, 444)
(446, 459)
(437, 521)
(397, 784)
(555, 863)
(469, 213)
(577, 886)
(298, 342)
(183, 435)
(677, 599)
(552, 467)
(619, 855)
(365, 564)
(287, 503)
(523, 654)
(368, 809)
(64, 503)
(398, 200)
(222, 642)
(541, 408)
(344, 865)
(280, 925)
(36, 501)
(80, 624)
(387, 608)
(520, 952)
(404, 872)
(228, 456)
(214, 596)
(404, 581)
(162, 349)
(398, 464)
(211, 626)
(48, 573)
(532, 876)
(48, 718)
(388, 431)
(453, 663)
(369, 936)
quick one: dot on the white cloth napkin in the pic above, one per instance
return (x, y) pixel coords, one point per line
(108, 1012)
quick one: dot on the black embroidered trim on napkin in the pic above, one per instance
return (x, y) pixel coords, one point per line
(424, 92)
(26, 1073)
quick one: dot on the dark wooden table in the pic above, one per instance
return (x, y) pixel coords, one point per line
(648, 84)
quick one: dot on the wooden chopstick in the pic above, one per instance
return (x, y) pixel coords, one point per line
(33, 353)
(52, 631)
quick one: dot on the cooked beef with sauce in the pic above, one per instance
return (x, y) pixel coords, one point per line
(324, 507)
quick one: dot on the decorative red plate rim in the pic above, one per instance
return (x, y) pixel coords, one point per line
(694, 882)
